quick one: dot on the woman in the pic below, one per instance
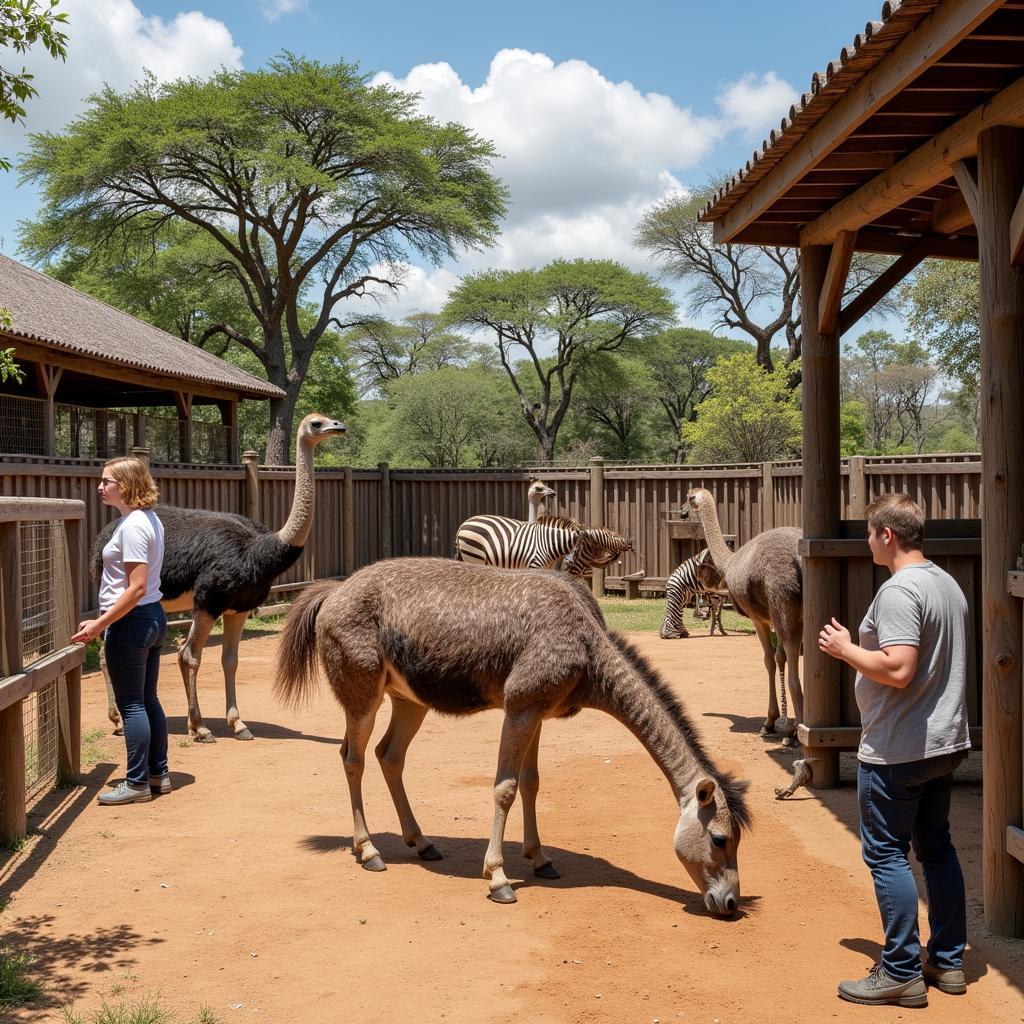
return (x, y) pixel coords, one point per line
(135, 624)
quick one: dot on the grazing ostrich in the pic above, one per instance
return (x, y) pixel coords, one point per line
(438, 634)
(695, 577)
(765, 581)
(536, 496)
(220, 564)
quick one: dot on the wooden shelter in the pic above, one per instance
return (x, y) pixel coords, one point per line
(81, 357)
(910, 143)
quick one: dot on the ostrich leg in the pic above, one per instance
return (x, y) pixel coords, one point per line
(189, 658)
(517, 732)
(234, 623)
(406, 719)
(764, 634)
(353, 756)
(529, 786)
(112, 713)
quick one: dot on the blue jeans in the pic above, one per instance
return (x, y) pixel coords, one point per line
(904, 805)
(132, 649)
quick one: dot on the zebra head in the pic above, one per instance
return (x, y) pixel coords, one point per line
(595, 549)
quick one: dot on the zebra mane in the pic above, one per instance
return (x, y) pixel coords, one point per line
(559, 522)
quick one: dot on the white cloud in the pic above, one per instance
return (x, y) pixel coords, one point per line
(423, 291)
(112, 42)
(274, 9)
(756, 105)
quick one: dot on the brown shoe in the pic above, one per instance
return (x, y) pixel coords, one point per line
(952, 981)
(878, 989)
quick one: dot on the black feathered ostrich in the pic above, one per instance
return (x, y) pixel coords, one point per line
(221, 564)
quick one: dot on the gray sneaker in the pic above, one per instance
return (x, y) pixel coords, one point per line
(951, 981)
(878, 989)
(126, 793)
(160, 784)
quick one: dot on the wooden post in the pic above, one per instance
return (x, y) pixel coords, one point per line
(229, 417)
(767, 496)
(821, 493)
(48, 378)
(1000, 179)
(12, 736)
(385, 509)
(183, 400)
(251, 462)
(348, 521)
(140, 430)
(597, 514)
(858, 488)
(69, 688)
(142, 454)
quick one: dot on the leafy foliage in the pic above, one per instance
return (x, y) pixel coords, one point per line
(311, 184)
(8, 367)
(23, 23)
(750, 416)
(576, 309)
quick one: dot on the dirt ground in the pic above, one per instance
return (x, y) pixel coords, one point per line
(238, 892)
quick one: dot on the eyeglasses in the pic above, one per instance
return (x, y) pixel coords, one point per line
(105, 481)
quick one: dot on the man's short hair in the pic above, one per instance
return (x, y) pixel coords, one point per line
(901, 514)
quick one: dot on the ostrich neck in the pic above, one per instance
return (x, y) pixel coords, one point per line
(295, 532)
(627, 698)
(537, 508)
(720, 553)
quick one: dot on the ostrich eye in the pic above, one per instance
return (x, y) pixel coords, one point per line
(718, 841)
(316, 424)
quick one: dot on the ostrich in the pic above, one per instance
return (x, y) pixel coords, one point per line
(460, 638)
(220, 564)
(536, 496)
(765, 580)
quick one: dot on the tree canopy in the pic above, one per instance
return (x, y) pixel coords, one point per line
(311, 184)
(555, 319)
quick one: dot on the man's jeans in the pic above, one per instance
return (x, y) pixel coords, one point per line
(903, 805)
(132, 649)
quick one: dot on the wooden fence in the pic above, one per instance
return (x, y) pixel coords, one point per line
(366, 514)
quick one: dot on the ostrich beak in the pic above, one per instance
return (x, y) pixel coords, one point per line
(333, 427)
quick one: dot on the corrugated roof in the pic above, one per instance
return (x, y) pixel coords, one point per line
(827, 88)
(49, 311)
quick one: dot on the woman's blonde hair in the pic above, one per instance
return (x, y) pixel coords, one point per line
(132, 475)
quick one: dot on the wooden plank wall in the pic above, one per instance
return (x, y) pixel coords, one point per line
(427, 506)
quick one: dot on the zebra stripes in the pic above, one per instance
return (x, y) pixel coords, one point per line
(595, 548)
(513, 544)
(696, 576)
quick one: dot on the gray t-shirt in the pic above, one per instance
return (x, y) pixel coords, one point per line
(920, 606)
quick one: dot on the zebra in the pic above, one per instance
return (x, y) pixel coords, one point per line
(595, 548)
(695, 577)
(513, 544)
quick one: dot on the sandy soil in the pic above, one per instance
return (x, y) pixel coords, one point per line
(238, 892)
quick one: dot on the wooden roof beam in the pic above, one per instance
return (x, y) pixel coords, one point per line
(835, 281)
(966, 174)
(921, 48)
(925, 167)
(863, 303)
(951, 215)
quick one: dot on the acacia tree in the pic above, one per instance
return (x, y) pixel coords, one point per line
(613, 393)
(312, 184)
(572, 309)
(750, 288)
(385, 351)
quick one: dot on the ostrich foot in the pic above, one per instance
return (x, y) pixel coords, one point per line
(429, 852)
(503, 894)
(202, 735)
(767, 731)
(118, 730)
(801, 777)
(243, 733)
(375, 863)
(547, 870)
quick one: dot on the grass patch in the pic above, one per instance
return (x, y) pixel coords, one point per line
(17, 986)
(646, 614)
(95, 747)
(146, 1011)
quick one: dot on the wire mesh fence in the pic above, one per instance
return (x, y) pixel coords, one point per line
(167, 440)
(47, 616)
(84, 433)
(41, 731)
(22, 425)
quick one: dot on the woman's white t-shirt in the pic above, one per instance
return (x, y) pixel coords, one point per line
(138, 537)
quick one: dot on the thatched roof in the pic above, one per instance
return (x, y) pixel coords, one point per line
(56, 315)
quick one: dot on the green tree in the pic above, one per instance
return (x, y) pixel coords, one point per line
(384, 351)
(8, 367)
(750, 288)
(678, 361)
(451, 416)
(751, 414)
(613, 394)
(312, 184)
(23, 23)
(571, 309)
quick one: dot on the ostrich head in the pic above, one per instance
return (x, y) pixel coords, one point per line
(696, 498)
(317, 427)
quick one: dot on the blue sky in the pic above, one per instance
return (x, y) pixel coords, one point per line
(599, 109)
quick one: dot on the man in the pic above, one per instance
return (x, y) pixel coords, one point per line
(911, 681)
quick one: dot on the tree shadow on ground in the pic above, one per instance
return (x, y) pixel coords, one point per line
(464, 856)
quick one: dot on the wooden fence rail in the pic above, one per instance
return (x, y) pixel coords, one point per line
(27, 665)
(366, 514)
